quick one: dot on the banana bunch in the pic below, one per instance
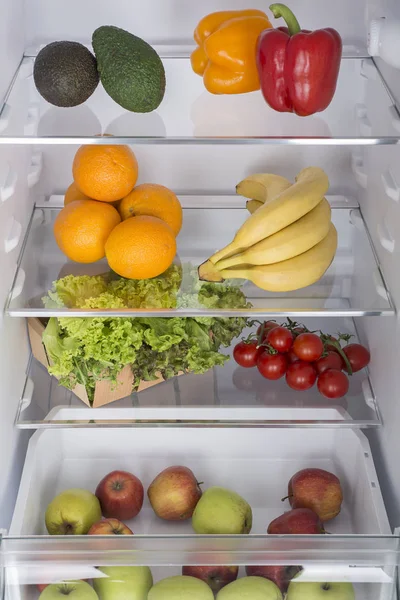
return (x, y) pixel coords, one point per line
(288, 241)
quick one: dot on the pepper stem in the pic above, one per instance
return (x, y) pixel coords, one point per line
(281, 10)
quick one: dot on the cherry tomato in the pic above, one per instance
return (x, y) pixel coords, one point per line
(333, 384)
(308, 347)
(358, 356)
(280, 338)
(272, 366)
(245, 354)
(292, 356)
(268, 325)
(301, 375)
(332, 360)
(330, 347)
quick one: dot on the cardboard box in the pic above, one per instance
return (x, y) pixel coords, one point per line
(105, 391)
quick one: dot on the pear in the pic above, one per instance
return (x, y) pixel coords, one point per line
(222, 511)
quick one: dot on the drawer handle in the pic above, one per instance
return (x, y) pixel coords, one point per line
(390, 185)
(10, 182)
(14, 235)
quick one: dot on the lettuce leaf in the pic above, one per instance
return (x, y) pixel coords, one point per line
(87, 350)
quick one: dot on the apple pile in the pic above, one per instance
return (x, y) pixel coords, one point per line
(303, 357)
(315, 496)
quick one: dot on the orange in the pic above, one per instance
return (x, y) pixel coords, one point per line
(154, 200)
(105, 173)
(82, 228)
(141, 247)
(74, 193)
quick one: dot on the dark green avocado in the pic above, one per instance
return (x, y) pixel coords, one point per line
(130, 69)
(65, 73)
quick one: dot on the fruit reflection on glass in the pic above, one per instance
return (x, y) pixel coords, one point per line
(174, 493)
(215, 576)
(123, 583)
(254, 588)
(279, 574)
(72, 512)
(318, 490)
(180, 587)
(71, 590)
(121, 495)
(222, 511)
(318, 590)
(110, 527)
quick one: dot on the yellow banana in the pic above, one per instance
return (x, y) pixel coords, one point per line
(289, 206)
(292, 274)
(253, 205)
(294, 239)
(262, 186)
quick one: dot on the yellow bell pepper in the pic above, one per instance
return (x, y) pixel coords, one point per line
(226, 53)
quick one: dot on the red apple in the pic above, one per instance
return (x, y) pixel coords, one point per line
(120, 495)
(41, 586)
(318, 490)
(174, 493)
(279, 574)
(109, 527)
(215, 576)
(296, 522)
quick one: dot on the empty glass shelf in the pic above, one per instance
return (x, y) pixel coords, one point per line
(352, 286)
(362, 112)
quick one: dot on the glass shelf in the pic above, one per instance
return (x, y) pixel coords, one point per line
(352, 286)
(362, 112)
(226, 396)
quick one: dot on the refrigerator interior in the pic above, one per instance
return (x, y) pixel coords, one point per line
(34, 172)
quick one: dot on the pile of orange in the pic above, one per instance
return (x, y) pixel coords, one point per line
(102, 195)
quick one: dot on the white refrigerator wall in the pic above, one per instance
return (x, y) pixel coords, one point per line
(173, 21)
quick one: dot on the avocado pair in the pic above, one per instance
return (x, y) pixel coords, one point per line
(66, 73)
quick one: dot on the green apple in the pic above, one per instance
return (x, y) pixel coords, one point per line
(181, 587)
(319, 590)
(72, 512)
(222, 511)
(254, 588)
(123, 583)
(71, 590)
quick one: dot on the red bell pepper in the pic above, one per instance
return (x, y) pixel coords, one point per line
(298, 69)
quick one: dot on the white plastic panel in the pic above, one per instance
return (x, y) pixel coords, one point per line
(173, 21)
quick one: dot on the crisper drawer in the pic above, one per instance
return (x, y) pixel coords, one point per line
(255, 463)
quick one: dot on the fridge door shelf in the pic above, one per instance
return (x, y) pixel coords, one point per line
(352, 286)
(228, 396)
(362, 112)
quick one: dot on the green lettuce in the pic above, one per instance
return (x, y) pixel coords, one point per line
(87, 350)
